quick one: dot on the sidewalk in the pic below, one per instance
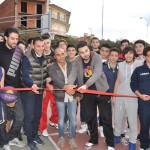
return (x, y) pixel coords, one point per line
(49, 145)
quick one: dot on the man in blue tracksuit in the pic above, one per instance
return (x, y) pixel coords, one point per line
(140, 84)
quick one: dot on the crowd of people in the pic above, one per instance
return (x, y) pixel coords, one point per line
(70, 68)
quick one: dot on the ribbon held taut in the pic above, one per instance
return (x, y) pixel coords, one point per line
(80, 91)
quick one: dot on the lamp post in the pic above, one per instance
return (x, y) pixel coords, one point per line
(91, 31)
(147, 25)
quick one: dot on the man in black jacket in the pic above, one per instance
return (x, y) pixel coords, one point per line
(140, 80)
(10, 58)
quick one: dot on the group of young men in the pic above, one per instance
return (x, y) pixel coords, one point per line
(68, 68)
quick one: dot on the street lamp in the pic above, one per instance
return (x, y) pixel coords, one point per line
(91, 31)
(147, 25)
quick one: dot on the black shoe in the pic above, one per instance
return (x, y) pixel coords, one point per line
(37, 140)
(32, 146)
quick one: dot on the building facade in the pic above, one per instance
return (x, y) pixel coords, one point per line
(26, 15)
(21, 11)
(59, 20)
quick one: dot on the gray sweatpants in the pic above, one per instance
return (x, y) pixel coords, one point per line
(128, 106)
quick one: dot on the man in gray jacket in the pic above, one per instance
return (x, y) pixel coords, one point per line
(59, 73)
(87, 69)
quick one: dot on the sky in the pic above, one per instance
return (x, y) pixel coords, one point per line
(121, 18)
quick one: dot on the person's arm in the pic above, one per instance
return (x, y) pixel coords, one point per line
(134, 84)
(116, 86)
(3, 77)
(25, 72)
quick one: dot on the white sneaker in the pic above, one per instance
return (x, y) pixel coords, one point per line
(6, 147)
(101, 131)
(88, 145)
(45, 133)
(110, 148)
(83, 129)
(53, 125)
(16, 142)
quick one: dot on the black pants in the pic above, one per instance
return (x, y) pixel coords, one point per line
(104, 105)
(82, 110)
(3, 135)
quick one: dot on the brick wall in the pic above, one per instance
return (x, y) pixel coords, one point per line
(7, 8)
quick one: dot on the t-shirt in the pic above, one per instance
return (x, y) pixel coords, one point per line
(87, 73)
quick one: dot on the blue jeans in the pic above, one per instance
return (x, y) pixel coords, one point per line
(32, 104)
(71, 106)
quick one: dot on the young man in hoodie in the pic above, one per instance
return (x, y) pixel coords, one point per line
(10, 60)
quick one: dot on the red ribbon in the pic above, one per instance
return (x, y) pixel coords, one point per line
(80, 91)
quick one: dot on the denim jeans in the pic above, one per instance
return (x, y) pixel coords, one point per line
(32, 104)
(71, 106)
(18, 115)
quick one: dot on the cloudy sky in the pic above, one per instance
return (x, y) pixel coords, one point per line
(121, 18)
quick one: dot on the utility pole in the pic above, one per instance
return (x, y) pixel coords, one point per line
(147, 25)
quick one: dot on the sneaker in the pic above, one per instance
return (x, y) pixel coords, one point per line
(73, 143)
(88, 145)
(45, 133)
(32, 146)
(53, 125)
(6, 147)
(144, 149)
(84, 128)
(110, 148)
(16, 142)
(37, 140)
(61, 142)
(101, 131)
(125, 141)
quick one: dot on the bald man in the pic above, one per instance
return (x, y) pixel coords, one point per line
(59, 73)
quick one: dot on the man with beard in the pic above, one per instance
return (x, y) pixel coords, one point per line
(10, 58)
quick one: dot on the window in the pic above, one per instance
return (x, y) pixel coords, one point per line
(24, 21)
(38, 11)
(24, 7)
(39, 8)
(58, 16)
